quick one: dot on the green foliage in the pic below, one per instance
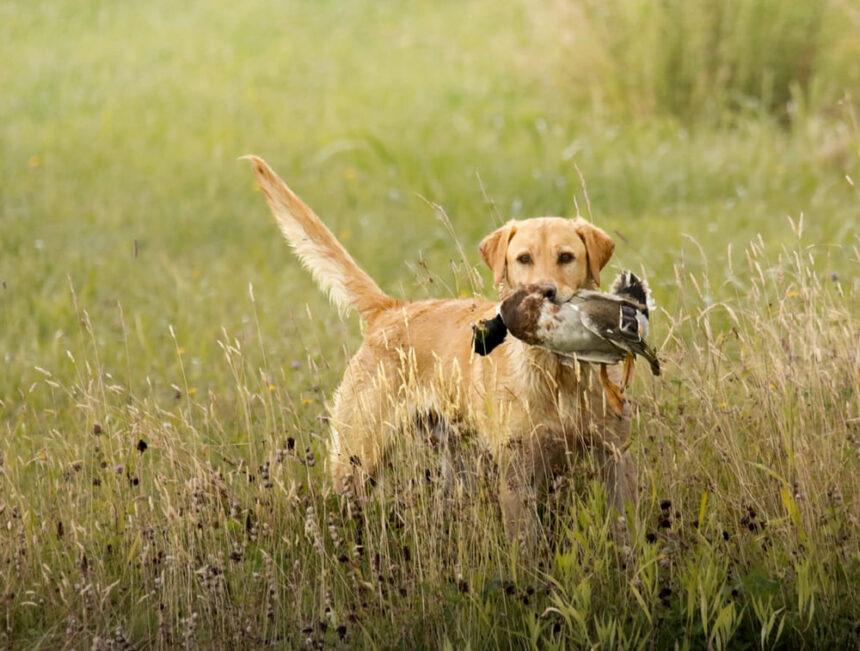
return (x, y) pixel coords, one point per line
(705, 61)
(165, 363)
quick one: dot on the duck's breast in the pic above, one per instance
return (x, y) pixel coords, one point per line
(561, 328)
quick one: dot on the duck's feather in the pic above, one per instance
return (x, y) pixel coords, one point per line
(627, 332)
(629, 286)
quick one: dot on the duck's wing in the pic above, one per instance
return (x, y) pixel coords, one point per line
(588, 296)
(620, 322)
(601, 315)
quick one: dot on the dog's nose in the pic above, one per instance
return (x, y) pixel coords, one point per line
(548, 291)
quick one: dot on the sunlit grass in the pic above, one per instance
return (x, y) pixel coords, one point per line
(206, 517)
(165, 364)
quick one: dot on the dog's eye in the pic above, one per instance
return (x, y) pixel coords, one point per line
(524, 258)
(565, 258)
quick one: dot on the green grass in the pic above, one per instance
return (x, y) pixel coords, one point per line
(147, 296)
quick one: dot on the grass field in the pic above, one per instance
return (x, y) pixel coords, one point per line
(165, 362)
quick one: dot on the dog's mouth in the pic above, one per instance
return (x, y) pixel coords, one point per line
(519, 314)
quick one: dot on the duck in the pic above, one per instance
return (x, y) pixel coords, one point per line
(591, 326)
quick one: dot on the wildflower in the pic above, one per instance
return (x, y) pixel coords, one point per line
(312, 531)
(295, 364)
(834, 276)
(119, 467)
(334, 533)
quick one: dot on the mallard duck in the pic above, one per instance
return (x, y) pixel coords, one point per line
(590, 327)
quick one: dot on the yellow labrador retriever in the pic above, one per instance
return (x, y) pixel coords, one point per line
(534, 410)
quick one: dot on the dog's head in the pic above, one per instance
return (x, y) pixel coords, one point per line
(565, 254)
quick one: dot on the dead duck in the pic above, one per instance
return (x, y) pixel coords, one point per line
(596, 327)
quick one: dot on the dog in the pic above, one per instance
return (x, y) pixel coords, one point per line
(534, 410)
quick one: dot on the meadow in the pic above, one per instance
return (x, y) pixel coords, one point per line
(165, 362)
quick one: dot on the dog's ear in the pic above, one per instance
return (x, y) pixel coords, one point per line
(598, 245)
(494, 249)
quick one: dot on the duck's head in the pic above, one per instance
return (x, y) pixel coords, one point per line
(522, 310)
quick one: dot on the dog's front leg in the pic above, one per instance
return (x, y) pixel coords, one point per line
(619, 475)
(607, 434)
(609, 445)
(528, 465)
(518, 500)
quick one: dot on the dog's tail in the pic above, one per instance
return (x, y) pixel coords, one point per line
(332, 267)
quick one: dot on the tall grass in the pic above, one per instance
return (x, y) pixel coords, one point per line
(206, 519)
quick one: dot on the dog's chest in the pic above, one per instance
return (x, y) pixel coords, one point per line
(551, 395)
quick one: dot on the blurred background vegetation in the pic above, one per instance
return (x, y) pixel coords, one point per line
(121, 123)
(697, 126)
